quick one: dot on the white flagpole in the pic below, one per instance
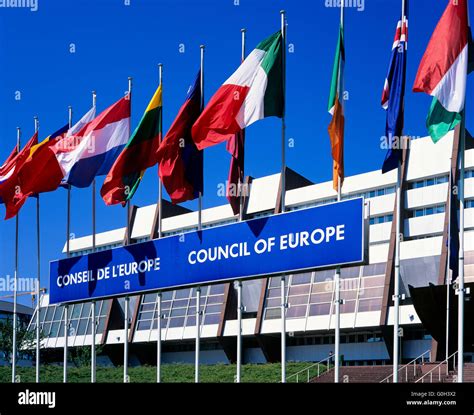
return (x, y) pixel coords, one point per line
(461, 289)
(158, 341)
(129, 231)
(202, 108)
(239, 283)
(448, 260)
(66, 335)
(198, 333)
(15, 282)
(93, 309)
(160, 183)
(337, 275)
(38, 280)
(240, 185)
(396, 285)
(283, 194)
(160, 224)
(68, 222)
(125, 342)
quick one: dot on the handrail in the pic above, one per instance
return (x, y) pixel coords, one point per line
(438, 366)
(421, 356)
(307, 369)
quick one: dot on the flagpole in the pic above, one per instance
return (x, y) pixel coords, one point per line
(202, 108)
(198, 333)
(239, 283)
(15, 282)
(337, 275)
(160, 183)
(396, 294)
(68, 221)
(283, 194)
(448, 260)
(461, 289)
(129, 231)
(38, 270)
(160, 224)
(242, 175)
(93, 309)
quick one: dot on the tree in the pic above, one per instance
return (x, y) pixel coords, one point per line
(25, 340)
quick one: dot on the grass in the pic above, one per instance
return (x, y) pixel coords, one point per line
(171, 373)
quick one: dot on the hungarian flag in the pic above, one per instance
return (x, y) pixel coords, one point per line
(253, 92)
(336, 109)
(138, 155)
(443, 70)
(79, 157)
(180, 162)
(393, 96)
(9, 184)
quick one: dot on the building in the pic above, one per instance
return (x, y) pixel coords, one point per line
(367, 314)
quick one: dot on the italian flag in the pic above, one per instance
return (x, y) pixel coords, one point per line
(336, 109)
(253, 92)
(443, 70)
(138, 155)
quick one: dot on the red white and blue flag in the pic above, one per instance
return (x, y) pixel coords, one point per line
(393, 96)
(180, 162)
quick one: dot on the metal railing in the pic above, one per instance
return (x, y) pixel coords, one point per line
(439, 367)
(305, 373)
(406, 367)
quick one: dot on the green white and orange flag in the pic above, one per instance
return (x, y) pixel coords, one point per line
(443, 69)
(138, 155)
(336, 109)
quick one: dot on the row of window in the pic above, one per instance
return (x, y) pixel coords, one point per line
(429, 182)
(381, 219)
(426, 211)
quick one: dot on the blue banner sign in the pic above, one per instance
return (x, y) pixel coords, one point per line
(324, 236)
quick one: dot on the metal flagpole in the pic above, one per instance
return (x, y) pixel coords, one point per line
(337, 275)
(202, 108)
(461, 289)
(198, 333)
(66, 335)
(68, 222)
(38, 270)
(239, 283)
(158, 341)
(129, 231)
(125, 342)
(160, 222)
(93, 308)
(15, 282)
(396, 285)
(283, 194)
(160, 183)
(448, 275)
(240, 186)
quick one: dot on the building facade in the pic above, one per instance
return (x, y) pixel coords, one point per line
(367, 312)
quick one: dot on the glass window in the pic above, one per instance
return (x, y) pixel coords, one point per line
(81, 328)
(371, 292)
(86, 309)
(177, 312)
(144, 325)
(299, 289)
(319, 309)
(212, 319)
(50, 313)
(348, 307)
(76, 311)
(374, 304)
(214, 308)
(176, 322)
(296, 312)
(54, 329)
(301, 278)
(321, 298)
(182, 294)
(180, 303)
(272, 313)
(216, 299)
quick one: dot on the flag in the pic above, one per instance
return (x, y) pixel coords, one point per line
(236, 147)
(5, 167)
(80, 156)
(9, 184)
(443, 70)
(336, 109)
(180, 162)
(253, 92)
(138, 155)
(393, 96)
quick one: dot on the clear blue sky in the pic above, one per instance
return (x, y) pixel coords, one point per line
(113, 41)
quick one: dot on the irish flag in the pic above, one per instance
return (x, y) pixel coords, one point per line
(336, 109)
(253, 92)
(138, 155)
(443, 70)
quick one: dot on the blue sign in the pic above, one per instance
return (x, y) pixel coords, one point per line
(324, 236)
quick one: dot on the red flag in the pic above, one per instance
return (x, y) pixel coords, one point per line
(11, 186)
(236, 146)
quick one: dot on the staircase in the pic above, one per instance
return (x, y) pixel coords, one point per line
(355, 374)
(468, 374)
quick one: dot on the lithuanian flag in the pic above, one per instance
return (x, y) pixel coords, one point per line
(138, 155)
(336, 109)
